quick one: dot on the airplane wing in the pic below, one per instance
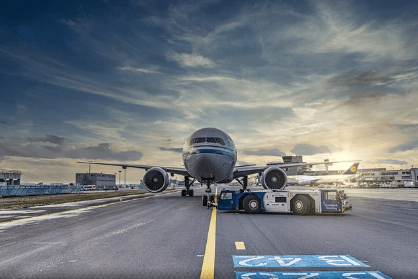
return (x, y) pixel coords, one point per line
(180, 171)
(248, 170)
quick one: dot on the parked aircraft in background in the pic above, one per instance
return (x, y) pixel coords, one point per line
(209, 156)
(349, 174)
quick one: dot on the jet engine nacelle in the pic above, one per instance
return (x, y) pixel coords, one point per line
(156, 180)
(273, 178)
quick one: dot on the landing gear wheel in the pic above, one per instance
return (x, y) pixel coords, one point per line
(204, 200)
(183, 193)
(252, 204)
(191, 193)
(211, 201)
(301, 205)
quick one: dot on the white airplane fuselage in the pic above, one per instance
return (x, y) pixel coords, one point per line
(209, 154)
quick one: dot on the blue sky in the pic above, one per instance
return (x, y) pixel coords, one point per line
(127, 81)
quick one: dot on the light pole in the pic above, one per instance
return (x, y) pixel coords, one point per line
(124, 177)
(119, 177)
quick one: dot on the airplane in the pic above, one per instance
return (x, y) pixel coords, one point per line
(350, 173)
(209, 156)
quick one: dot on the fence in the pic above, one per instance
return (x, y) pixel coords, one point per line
(23, 190)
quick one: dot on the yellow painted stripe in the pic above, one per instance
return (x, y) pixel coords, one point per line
(208, 267)
(240, 245)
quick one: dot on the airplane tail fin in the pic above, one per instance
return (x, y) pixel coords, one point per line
(352, 169)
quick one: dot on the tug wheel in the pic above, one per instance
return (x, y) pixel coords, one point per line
(301, 205)
(252, 204)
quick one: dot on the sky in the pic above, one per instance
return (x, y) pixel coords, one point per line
(128, 81)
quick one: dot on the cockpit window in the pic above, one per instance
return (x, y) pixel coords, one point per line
(216, 140)
(211, 140)
(197, 140)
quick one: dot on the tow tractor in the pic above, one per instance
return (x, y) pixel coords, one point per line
(297, 201)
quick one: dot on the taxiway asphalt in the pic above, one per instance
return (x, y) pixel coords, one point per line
(165, 236)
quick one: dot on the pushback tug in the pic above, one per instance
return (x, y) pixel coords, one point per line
(297, 201)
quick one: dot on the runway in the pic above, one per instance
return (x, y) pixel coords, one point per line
(165, 236)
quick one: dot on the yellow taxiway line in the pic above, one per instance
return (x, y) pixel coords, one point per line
(208, 267)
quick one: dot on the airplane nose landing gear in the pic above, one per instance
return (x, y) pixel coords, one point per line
(208, 199)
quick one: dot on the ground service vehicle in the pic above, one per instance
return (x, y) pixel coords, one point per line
(298, 201)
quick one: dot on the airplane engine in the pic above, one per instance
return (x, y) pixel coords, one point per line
(156, 180)
(273, 178)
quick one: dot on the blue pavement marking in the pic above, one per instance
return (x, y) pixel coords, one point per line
(297, 261)
(313, 274)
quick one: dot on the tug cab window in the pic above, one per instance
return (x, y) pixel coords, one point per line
(226, 196)
(330, 196)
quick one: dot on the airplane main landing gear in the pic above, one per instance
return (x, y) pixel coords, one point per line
(187, 191)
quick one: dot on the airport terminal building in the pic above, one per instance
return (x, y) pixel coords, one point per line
(10, 177)
(100, 180)
(384, 177)
(378, 177)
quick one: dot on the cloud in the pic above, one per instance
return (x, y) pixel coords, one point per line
(54, 72)
(338, 28)
(4, 122)
(308, 149)
(82, 26)
(359, 78)
(191, 60)
(140, 70)
(49, 138)
(409, 145)
(265, 152)
(393, 162)
(176, 150)
(102, 151)
(48, 163)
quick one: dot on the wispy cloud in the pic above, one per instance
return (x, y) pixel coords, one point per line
(191, 60)
(264, 152)
(318, 78)
(309, 149)
(139, 70)
(102, 151)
